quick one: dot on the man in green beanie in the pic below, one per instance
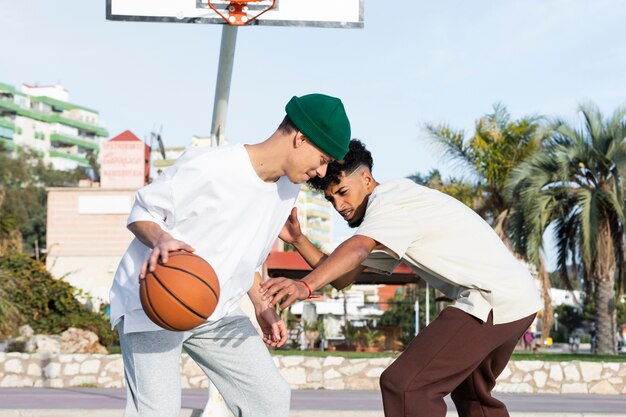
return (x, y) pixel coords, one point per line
(227, 205)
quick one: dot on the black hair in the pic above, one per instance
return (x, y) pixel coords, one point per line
(287, 126)
(356, 157)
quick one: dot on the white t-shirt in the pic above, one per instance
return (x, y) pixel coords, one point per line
(450, 247)
(213, 200)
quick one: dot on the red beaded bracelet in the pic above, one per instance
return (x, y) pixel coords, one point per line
(308, 287)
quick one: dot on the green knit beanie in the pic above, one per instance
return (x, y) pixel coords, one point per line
(323, 120)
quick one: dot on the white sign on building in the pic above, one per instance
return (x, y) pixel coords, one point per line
(123, 165)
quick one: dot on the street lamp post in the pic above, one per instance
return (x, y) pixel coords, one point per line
(556, 322)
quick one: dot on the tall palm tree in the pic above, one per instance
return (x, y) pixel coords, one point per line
(575, 184)
(498, 145)
(463, 191)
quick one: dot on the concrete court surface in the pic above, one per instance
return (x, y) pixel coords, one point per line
(95, 402)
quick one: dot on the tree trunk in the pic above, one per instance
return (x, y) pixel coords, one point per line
(547, 316)
(345, 317)
(500, 226)
(604, 276)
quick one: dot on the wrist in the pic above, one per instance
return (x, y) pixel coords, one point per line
(162, 237)
(257, 302)
(299, 241)
(308, 288)
(260, 306)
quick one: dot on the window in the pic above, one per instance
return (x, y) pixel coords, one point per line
(6, 133)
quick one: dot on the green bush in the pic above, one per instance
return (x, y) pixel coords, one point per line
(561, 335)
(47, 304)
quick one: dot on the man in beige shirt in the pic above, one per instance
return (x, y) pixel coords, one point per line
(464, 350)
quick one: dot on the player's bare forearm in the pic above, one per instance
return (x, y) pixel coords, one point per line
(292, 233)
(147, 232)
(344, 260)
(311, 254)
(314, 257)
(343, 264)
(347, 279)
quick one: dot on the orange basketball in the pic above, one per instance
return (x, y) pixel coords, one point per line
(180, 294)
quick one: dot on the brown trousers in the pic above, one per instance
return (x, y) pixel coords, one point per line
(458, 354)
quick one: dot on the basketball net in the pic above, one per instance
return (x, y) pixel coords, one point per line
(238, 11)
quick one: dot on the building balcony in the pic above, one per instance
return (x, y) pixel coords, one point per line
(318, 213)
(8, 144)
(323, 226)
(321, 240)
(97, 130)
(8, 123)
(60, 105)
(317, 198)
(82, 142)
(10, 106)
(76, 158)
(7, 88)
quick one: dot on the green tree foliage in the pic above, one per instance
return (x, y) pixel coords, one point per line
(30, 295)
(369, 337)
(401, 312)
(23, 181)
(350, 333)
(497, 145)
(575, 184)
(462, 191)
(570, 319)
(9, 313)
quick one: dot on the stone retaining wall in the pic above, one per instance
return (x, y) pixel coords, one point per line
(302, 372)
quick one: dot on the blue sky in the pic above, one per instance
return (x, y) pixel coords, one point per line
(441, 61)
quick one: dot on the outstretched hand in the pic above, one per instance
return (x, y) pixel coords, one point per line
(291, 231)
(276, 289)
(162, 248)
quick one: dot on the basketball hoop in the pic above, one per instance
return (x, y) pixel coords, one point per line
(238, 11)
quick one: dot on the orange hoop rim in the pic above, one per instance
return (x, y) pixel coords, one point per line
(239, 8)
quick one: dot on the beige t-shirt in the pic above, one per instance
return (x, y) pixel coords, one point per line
(449, 246)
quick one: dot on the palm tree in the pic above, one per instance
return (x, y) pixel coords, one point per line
(575, 184)
(499, 144)
(462, 191)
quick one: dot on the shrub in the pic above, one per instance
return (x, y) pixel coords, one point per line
(47, 304)
(9, 314)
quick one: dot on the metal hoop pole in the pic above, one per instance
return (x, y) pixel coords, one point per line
(222, 85)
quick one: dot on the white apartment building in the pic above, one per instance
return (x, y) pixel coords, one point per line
(315, 216)
(42, 118)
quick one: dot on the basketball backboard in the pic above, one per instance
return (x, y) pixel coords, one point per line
(309, 13)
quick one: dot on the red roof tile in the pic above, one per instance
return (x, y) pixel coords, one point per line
(294, 261)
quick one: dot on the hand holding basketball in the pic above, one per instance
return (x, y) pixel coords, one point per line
(162, 247)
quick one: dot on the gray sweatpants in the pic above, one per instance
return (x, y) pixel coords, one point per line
(229, 351)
